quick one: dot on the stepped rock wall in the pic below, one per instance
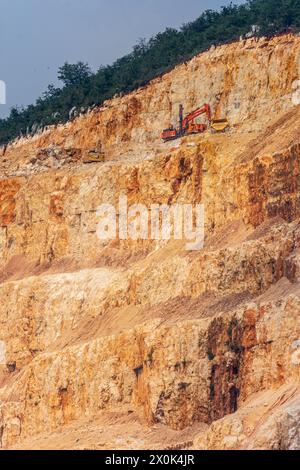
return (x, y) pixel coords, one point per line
(169, 340)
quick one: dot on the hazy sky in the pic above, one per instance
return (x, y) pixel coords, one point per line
(37, 36)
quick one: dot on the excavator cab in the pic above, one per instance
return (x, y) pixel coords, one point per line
(195, 128)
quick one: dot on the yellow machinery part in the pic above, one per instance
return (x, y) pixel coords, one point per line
(219, 125)
(94, 158)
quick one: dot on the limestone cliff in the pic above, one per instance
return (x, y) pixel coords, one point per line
(142, 344)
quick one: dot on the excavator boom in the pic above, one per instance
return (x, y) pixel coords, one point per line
(205, 109)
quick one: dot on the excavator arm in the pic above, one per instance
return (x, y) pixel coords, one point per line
(205, 109)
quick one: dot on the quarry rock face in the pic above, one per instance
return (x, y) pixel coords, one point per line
(133, 344)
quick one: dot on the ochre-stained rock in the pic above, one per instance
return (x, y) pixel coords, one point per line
(142, 339)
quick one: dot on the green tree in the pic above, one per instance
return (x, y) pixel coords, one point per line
(74, 74)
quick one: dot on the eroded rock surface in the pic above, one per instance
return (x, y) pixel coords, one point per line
(143, 344)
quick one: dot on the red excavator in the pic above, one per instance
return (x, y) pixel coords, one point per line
(187, 125)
